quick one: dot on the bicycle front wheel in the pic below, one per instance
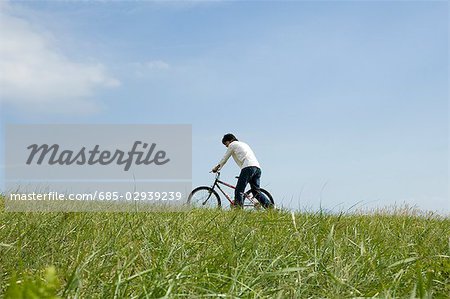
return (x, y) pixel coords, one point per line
(204, 197)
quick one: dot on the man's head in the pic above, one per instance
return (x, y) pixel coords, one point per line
(228, 138)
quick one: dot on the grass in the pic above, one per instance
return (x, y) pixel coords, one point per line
(204, 253)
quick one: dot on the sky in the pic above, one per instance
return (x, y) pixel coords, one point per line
(345, 103)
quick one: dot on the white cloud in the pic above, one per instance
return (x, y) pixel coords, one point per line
(34, 72)
(141, 69)
(157, 64)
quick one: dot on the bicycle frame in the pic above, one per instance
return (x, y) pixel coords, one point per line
(218, 182)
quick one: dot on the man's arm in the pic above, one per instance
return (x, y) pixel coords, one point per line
(224, 160)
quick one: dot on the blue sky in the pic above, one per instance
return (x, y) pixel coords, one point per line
(344, 103)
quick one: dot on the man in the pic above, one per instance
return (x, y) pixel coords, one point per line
(250, 170)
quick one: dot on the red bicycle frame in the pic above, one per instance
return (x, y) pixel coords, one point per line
(217, 183)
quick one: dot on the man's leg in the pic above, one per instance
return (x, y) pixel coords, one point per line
(242, 182)
(254, 184)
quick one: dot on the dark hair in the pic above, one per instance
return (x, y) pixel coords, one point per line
(228, 137)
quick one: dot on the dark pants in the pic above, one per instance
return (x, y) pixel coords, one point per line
(250, 175)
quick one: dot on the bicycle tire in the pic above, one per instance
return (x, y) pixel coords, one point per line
(264, 191)
(198, 202)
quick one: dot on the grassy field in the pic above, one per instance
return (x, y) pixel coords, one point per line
(204, 253)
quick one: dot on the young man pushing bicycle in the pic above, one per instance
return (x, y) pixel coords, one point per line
(250, 170)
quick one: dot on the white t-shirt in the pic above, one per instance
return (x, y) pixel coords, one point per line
(242, 154)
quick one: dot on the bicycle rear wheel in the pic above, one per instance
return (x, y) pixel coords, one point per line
(250, 197)
(204, 197)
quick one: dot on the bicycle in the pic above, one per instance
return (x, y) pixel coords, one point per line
(206, 196)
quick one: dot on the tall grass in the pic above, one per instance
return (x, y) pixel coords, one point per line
(204, 253)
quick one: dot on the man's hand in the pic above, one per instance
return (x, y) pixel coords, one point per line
(216, 168)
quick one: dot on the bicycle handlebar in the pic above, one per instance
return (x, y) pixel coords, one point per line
(217, 173)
